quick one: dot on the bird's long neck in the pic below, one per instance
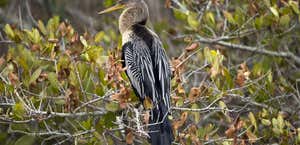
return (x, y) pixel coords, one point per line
(137, 14)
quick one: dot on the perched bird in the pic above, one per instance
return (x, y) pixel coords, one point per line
(148, 67)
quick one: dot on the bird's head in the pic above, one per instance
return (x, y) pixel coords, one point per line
(123, 4)
(135, 12)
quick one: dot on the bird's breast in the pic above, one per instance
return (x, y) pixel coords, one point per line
(127, 36)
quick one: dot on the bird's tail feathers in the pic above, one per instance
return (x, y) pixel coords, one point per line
(160, 128)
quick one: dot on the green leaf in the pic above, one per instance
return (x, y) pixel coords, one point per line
(85, 56)
(53, 24)
(179, 15)
(284, 20)
(9, 31)
(108, 3)
(60, 102)
(83, 42)
(196, 114)
(274, 11)
(53, 80)
(295, 6)
(267, 3)
(266, 122)
(35, 75)
(36, 36)
(106, 121)
(192, 21)
(259, 22)
(87, 124)
(42, 27)
(274, 122)
(210, 18)
(18, 110)
(264, 113)
(179, 102)
(222, 105)
(3, 136)
(229, 82)
(72, 78)
(112, 106)
(281, 123)
(252, 119)
(99, 36)
(26, 140)
(229, 17)
(226, 143)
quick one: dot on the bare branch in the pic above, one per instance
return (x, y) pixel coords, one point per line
(289, 55)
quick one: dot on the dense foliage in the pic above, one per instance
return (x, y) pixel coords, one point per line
(235, 82)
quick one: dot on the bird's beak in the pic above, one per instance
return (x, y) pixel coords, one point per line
(113, 8)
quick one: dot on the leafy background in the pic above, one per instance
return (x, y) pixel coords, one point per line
(235, 67)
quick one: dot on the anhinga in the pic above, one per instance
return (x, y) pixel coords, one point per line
(148, 67)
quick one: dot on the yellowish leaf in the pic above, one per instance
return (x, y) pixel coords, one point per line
(274, 11)
(9, 31)
(229, 17)
(148, 103)
(252, 137)
(252, 119)
(266, 122)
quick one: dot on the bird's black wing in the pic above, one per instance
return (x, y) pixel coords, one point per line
(162, 71)
(137, 59)
(149, 72)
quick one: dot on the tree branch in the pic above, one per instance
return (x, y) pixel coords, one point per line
(289, 55)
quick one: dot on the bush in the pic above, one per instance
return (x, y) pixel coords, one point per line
(58, 86)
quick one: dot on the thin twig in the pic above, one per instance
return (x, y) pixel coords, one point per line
(250, 48)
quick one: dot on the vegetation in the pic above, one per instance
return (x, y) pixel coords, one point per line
(235, 78)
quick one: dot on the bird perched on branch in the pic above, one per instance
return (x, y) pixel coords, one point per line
(148, 67)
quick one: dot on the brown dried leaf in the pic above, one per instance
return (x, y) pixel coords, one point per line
(214, 72)
(194, 93)
(180, 122)
(168, 4)
(2, 60)
(13, 78)
(122, 97)
(63, 29)
(68, 105)
(35, 47)
(253, 8)
(243, 142)
(240, 79)
(193, 134)
(129, 138)
(230, 131)
(43, 76)
(192, 47)
(243, 75)
(146, 117)
(75, 38)
(240, 124)
(176, 67)
(184, 116)
(216, 2)
(115, 97)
